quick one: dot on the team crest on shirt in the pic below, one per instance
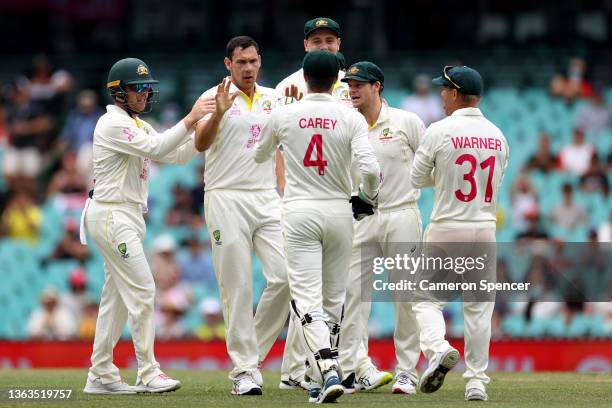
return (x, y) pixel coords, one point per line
(267, 106)
(386, 136)
(217, 237)
(255, 131)
(122, 248)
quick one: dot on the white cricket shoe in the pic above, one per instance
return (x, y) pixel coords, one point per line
(161, 383)
(403, 384)
(373, 378)
(476, 394)
(293, 384)
(115, 388)
(433, 378)
(245, 384)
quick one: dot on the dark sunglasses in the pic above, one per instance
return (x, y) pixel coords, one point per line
(140, 88)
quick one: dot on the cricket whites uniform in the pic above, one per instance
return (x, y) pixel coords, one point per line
(242, 210)
(395, 138)
(319, 137)
(123, 148)
(293, 359)
(340, 91)
(468, 155)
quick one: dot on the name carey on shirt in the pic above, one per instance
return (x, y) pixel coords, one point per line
(476, 142)
(317, 123)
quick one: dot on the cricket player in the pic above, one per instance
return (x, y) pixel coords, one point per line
(320, 137)
(467, 156)
(395, 136)
(321, 33)
(242, 211)
(123, 147)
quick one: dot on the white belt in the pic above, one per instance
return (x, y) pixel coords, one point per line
(82, 229)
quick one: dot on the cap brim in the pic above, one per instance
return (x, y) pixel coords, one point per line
(337, 32)
(439, 81)
(355, 77)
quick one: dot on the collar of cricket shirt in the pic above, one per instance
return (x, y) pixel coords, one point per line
(249, 102)
(467, 112)
(382, 116)
(319, 96)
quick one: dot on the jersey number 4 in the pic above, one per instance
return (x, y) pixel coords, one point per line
(469, 177)
(316, 142)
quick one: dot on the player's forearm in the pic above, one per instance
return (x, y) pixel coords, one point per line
(206, 132)
(166, 142)
(420, 175)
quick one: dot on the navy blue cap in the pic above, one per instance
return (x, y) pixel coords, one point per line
(464, 79)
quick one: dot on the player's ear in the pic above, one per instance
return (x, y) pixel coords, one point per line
(339, 41)
(227, 62)
(306, 45)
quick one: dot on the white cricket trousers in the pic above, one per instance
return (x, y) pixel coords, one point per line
(381, 232)
(240, 221)
(476, 315)
(129, 290)
(318, 238)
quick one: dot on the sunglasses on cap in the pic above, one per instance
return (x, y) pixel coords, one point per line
(140, 88)
(447, 77)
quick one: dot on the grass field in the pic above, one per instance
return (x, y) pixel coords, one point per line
(212, 389)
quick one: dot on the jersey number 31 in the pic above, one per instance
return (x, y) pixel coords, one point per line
(469, 177)
(316, 142)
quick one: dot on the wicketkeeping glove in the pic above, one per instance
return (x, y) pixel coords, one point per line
(361, 209)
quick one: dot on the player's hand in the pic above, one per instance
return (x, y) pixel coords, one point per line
(293, 92)
(361, 209)
(224, 99)
(201, 108)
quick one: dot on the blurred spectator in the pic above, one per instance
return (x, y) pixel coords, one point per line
(163, 265)
(573, 83)
(604, 232)
(46, 85)
(74, 301)
(534, 230)
(77, 134)
(213, 327)
(524, 202)
(4, 127)
(67, 180)
(89, 317)
(70, 247)
(173, 307)
(567, 214)
(195, 263)
(183, 213)
(594, 117)
(30, 130)
(544, 158)
(51, 321)
(595, 179)
(422, 102)
(22, 218)
(576, 157)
